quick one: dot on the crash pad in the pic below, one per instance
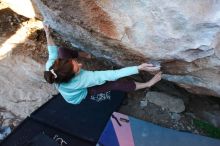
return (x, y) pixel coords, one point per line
(123, 130)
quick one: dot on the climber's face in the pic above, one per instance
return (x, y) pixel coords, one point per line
(76, 66)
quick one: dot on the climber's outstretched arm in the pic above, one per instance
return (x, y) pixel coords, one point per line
(50, 41)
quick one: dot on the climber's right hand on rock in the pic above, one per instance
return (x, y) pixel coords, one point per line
(148, 67)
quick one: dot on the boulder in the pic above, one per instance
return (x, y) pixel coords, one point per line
(165, 101)
(23, 88)
(182, 35)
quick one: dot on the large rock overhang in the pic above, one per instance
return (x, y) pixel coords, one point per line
(183, 35)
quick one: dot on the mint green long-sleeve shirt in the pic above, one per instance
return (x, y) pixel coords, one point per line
(75, 90)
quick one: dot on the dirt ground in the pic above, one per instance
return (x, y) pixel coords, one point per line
(34, 46)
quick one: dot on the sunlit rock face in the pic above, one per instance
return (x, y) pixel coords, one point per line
(24, 7)
(23, 88)
(183, 35)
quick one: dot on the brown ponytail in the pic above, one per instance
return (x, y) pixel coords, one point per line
(49, 77)
(63, 68)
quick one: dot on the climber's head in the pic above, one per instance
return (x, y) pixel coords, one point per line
(62, 71)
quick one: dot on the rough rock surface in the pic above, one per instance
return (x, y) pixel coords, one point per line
(25, 77)
(173, 104)
(183, 35)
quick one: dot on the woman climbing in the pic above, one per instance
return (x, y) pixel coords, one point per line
(75, 84)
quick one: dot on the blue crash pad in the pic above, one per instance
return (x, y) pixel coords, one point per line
(123, 130)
